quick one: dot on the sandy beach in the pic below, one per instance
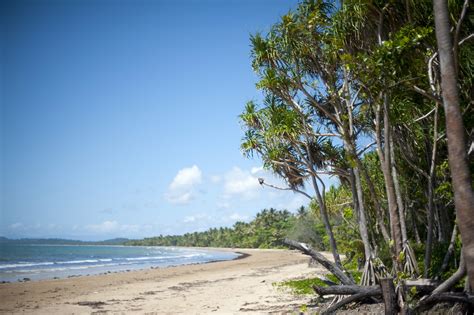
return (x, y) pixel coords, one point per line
(242, 285)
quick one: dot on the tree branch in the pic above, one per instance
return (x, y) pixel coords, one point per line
(347, 300)
(456, 35)
(427, 95)
(366, 148)
(262, 182)
(333, 268)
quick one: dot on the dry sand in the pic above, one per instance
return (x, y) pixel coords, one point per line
(242, 285)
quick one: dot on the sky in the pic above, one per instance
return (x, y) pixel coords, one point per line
(120, 118)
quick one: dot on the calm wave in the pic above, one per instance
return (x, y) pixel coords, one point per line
(36, 262)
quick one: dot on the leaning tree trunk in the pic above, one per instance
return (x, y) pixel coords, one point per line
(324, 216)
(457, 153)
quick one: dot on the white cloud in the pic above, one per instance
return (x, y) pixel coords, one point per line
(241, 183)
(182, 188)
(186, 178)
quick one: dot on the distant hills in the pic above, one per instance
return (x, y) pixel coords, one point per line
(60, 241)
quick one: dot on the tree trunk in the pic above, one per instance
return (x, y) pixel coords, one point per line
(398, 193)
(431, 208)
(362, 219)
(392, 199)
(389, 296)
(457, 153)
(363, 231)
(333, 268)
(324, 216)
(385, 162)
(449, 252)
(415, 228)
(379, 213)
(348, 137)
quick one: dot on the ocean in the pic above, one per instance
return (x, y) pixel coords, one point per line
(37, 262)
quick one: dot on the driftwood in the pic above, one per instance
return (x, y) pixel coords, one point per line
(353, 298)
(373, 290)
(359, 293)
(332, 267)
(423, 286)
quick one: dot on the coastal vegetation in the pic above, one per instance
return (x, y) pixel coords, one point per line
(379, 95)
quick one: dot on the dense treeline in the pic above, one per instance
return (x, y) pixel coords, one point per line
(266, 230)
(379, 94)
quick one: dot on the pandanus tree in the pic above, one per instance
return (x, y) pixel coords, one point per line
(289, 147)
(372, 41)
(298, 64)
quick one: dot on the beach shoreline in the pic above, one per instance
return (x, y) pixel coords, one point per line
(241, 285)
(54, 262)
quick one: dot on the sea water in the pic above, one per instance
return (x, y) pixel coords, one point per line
(36, 262)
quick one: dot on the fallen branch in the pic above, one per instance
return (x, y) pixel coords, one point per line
(423, 286)
(373, 290)
(333, 268)
(347, 300)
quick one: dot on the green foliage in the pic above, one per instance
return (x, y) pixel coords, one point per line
(337, 77)
(301, 287)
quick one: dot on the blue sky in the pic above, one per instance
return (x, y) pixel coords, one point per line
(119, 118)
